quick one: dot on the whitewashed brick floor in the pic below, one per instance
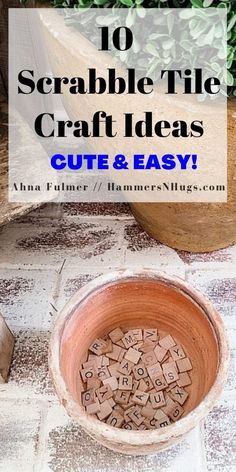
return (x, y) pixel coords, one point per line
(44, 258)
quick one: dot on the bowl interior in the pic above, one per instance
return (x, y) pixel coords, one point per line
(140, 303)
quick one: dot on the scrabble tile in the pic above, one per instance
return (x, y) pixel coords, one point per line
(93, 408)
(136, 416)
(103, 373)
(177, 352)
(138, 346)
(129, 405)
(137, 334)
(160, 383)
(115, 419)
(147, 346)
(117, 407)
(88, 397)
(150, 423)
(125, 367)
(121, 355)
(167, 342)
(99, 347)
(125, 382)
(148, 411)
(170, 386)
(132, 355)
(112, 403)
(104, 392)
(184, 379)
(154, 371)
(150, 334)
(128, 411)
(104, 362)
(139, 371)
(140, 398)
(120, 343)
(149, 358)
(160, 353)
(114, 354)
(129, 425)
(94, 383)
(162, 419)
(112, 381)
(90, 363)
(105, 410)
(142, 386)
(179, 394)
(113, 369)
(88, 373)
(142, 427)
(170, 404)
(148, 382)
(122, 397)
(159, 414)
(176, 412)
(184, 365)
(157, 399)
(116, 335)
(129, 340)
(135, 385)
(170, 372)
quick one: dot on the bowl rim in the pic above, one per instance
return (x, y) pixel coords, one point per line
(97, 428)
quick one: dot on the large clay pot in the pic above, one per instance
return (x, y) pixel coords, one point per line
(196, 227)
(199, 227)
(140, 299)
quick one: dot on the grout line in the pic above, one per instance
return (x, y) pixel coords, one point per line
(203, 446)
(42, 440)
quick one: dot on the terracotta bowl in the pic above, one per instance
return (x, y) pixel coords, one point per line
(132, 300)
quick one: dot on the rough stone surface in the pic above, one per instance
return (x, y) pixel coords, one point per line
(45, 258)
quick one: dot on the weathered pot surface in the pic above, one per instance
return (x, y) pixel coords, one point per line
(142, 298)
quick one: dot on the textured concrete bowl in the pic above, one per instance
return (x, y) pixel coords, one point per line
(140, 299)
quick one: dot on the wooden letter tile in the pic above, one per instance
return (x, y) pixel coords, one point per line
(157, 399)
(103, 393)
(139, 371)
(184, 380)
(129, 340)
(112, 381)
(136, 416)
(137, 334)
(125, 367)
(125, 382)
(179, 394)
(167, 342)
(93, 408)
(176, 412)
(170, 372)
(147, 346)
(160, 353)
(113, 369)
(154, 371)
(115, 419)
(103, 373)
(150, 334)
(114, 354)
(105, 410)
(122, 397)
(151, 424)
(88, 397)
(88, 373)
(140, 398)
(116, 335)
(159, 383)
(177, 352)
(149, 358)
(132, 355)
(184, 365)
